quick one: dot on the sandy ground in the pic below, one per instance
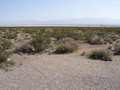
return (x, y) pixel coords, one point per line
(61, 72)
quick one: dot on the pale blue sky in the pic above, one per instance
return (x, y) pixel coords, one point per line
(38, 11)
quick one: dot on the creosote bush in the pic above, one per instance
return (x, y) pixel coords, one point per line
(66, 47)
(4, 45)
(95, 40)
(104, 55)
(5, 64)
(3, 56)
(40, 42)
(8, 34)
(116, 47)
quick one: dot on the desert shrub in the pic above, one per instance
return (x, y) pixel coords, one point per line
(96, 40)
(62, 48)
(40, 42)
(116, 47)
(110, 37)
(101, 54)
(66, 47)
(3, 56)
(9, 34)
(60, 34)
(88, 35)
(76, 34)
(5, 64)
(4, 44)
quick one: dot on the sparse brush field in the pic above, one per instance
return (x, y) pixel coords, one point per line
(58, 40)
(60, 58)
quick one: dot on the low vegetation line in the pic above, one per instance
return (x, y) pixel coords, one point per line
(58, 40)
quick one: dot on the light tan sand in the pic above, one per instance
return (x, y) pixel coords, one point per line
(61, 72)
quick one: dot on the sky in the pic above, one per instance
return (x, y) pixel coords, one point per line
(18, 12)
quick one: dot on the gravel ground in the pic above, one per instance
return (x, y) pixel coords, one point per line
(61, 72)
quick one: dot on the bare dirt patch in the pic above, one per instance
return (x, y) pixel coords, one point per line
(61, 72)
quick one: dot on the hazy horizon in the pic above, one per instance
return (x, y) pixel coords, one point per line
(51, 12)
